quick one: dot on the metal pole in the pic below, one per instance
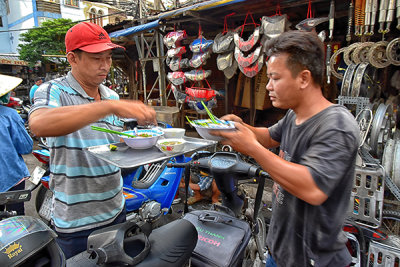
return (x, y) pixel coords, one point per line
(142, 62)
(226, 95)
(161, 70)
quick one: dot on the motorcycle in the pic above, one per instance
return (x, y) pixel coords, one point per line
(27, 241)
(14, 102)
(149, 190)
(234, 233)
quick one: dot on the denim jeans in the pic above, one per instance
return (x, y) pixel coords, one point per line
(74, 243)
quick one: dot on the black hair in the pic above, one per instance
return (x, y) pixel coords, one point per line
(78, 52)
(304, 50)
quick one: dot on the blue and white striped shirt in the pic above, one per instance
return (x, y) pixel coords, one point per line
(87, 190)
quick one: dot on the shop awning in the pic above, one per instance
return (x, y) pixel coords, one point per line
(12, 60)
(135, 29)
(154, 24)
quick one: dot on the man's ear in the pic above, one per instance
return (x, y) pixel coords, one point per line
(71, 57)
(305, 78)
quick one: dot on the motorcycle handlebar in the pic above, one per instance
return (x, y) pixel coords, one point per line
(178, 165)
(237, 165)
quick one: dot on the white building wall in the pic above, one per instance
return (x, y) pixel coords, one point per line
(20, 17)
(5, 47)
(73, 13)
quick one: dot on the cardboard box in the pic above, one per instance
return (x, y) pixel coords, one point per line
(243, 91)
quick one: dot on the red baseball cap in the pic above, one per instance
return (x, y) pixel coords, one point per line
(88, 37)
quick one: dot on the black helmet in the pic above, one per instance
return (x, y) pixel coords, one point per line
(28, 241)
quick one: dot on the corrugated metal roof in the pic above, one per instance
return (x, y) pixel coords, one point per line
(10, 59)
(154, 24)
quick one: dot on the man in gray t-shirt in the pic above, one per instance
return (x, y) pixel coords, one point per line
(314, 170)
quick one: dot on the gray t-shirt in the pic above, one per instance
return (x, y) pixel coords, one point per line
(301, 234)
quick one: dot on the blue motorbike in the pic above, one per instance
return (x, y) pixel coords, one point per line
(149, 190)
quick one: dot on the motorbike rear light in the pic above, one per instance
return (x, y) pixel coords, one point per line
(43, 159)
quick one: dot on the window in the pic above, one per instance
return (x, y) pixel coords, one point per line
(71, 3)
(100, 18)
(92, 15)
(96, 17)
(1, 21)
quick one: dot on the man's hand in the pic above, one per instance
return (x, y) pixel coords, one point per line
(67, 119)
(231, 117)
(135, 109)
(242, 140)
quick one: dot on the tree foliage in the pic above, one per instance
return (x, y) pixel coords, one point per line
(45, 40)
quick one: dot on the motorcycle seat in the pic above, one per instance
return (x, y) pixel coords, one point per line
(171, 245)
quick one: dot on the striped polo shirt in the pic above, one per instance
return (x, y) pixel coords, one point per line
(87, 190)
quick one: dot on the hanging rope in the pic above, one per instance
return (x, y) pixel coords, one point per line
(309, 10)
(278, 9)
(226, 22)
(251, 23)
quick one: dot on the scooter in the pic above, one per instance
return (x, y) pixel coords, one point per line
(238, 216)
(149, 190)
(27, 241)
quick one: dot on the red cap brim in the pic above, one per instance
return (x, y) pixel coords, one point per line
(100, 47)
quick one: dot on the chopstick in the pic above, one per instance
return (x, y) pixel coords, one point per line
(209, 113)
(100, 129)
(195, 122)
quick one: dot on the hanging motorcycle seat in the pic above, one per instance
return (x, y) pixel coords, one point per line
(230, 71)
(252, 70)
(194, 93)
(200, 93)
(176, 77)
(244, 61)
(177, 63)
(310, 23)
(224, 60)
(273, 26)
(254, 37)
(199, 59)
(200, 45)
(172, 39)
(197, 75)
(249, 43)
(176, 52)
(180, 97)
(223, 42)
(198, 106)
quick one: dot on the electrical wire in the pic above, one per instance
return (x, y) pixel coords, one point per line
(64, 24)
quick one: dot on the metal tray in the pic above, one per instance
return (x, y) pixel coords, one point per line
(126, 157)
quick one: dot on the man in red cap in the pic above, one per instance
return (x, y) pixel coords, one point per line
(87, 191)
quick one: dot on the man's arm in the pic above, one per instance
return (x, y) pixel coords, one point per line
(294, 178)
(64, 120)
(261, 133)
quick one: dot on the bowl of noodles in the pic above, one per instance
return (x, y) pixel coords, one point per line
(143, 139)
(171, 145)
(205, 127)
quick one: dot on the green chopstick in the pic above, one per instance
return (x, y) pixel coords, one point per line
(209, 113)
(100, 129)
(195, 122)
(190, 122)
